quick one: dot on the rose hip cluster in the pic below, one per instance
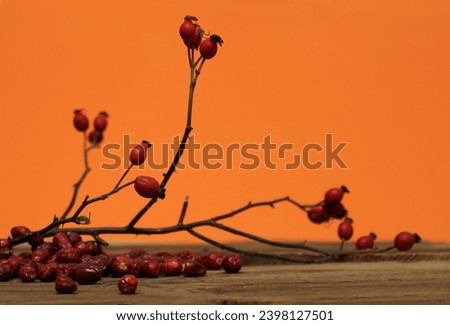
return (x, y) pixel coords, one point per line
(69, 261)
(145, 186)
(332, 207)
(193, 37)
(81, 123)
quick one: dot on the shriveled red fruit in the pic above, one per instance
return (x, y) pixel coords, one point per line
(19, 231)
(5, 243)
(139, 153)
(119, 265)
(366, 242)
(184, 254)
(150, 268)
(316, 214)
(193, 268)
(80, 121)
(27, 273)
(188, 27)
(6, 271)
(404, 241)
(88, 273)
(101, 122)
(27, 262)
(66, 269)
(212, 260)
(15, 262)
(345, 229)
(335, 195)
(232, 263)
(35, 240)
(103, 257)
(136, 268)
(147, 187)
(5, 253)
(128, 284)
(172, 266)
(136, 251)
(61, 240)
(335, 210)
(95, 136)
(52, 259)
(74, 237)
(65, 284)
(40, 255)
(164, 254)
(68, 255)
(48, 247)
(208, 47)
(90, 247)
(46, 272)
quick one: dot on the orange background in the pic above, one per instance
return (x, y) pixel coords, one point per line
(373, 73)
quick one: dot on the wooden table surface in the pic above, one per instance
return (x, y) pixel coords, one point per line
(421, 276)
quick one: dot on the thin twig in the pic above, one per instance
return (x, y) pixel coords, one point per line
(250, 253)
(183, 211)
(267, 241)
(76, 187)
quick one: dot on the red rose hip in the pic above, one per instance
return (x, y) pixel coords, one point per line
(80, 121)
(208, 48)
(345, 229)
(317, 214)
(335, 195)
(128, 284)
(139, 153)
(232, 263)
(193, 268)
(366, 242)
(404, 241)
(95, 136)
(212, 260)
(65, 284)
(27, 273)
(147, 187)
(188, 27)
(19, 231)
(101, 122)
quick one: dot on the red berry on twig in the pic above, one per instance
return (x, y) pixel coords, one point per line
(139, 153)
(345, 230)
(95, 136)
(404, 241)
(101, 122)
(188, 28)
(208, 48)
(335, 195)
(147, 187)
(19, 231)
(316, 214)
(80, 121)
(366, 242)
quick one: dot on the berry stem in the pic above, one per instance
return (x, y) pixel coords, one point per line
(341, 247)
(194, 73)
(183, 211)
(124, 175)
